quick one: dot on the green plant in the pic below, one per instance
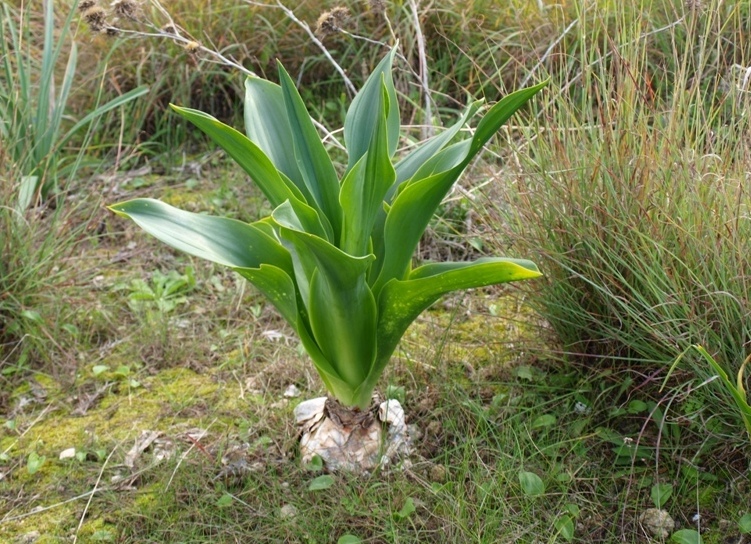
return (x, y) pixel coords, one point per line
(153, 302)
(736, 390)
(163, 294)
(33, 106)
(660, 493)
(335, 258)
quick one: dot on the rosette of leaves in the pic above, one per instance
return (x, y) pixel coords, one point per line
(335, 255)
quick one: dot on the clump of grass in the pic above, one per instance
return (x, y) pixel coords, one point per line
(635, 192)
(42, 154)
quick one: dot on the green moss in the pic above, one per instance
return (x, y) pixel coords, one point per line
(474, 334)
(52, 525)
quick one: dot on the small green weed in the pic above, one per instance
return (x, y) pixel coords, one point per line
(154, 304)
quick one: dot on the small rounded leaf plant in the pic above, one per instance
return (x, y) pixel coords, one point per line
(335, 255)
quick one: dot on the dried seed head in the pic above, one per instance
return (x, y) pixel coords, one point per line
(192, 47)
(128, 9)
(331, 22)
(695, 5)
(85, 5)
(96, 18)
(377, 6)
(169, 28)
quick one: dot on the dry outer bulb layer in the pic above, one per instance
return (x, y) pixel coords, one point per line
(353, 440)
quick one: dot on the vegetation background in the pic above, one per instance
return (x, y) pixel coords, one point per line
(546, 412)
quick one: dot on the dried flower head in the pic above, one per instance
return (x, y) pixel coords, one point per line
(377, 6)
(127, 9)
(695, 5)
(169, 28)
(192, 47)
(331, 22)
(85, 5)
(96, 18)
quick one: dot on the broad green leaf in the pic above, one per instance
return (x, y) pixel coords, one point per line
(407, 510)
(225, 500)
(218, 239)
(345, 330)
(565, 527)
(405, 224)
(266, 125)
(396, 392)
(365, 186)
(278, 287)
(400, 302)
(304, 218)
(334, 383)
(525, 372)
(315, 464)
(103, 535)
(341, 308)
(315, 166)
(414, 206)
(545, 420)
(443, 161)
(32, 315)
(744, 524)
(484, 269)
(348, 539)
(686, 536)
(531, 483)
(660, 494)
(500, 113)
(321, 482)
(411, 163)
(636, 406)
(34, 462)
(361, 117)
(247, 154)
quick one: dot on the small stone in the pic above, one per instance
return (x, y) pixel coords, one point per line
(657, 522)
(70, 453)
(292, 391)
(288, 511)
